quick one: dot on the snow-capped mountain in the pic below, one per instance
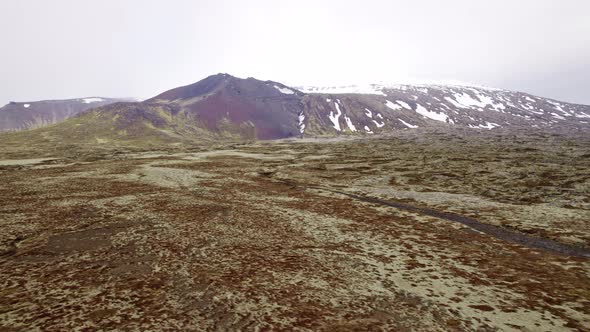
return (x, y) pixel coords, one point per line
(375, 108)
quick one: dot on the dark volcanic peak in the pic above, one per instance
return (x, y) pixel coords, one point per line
(228, 85)
(229, 106)
(200, 88)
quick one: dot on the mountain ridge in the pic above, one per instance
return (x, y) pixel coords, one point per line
(222, 106)
(16, 116)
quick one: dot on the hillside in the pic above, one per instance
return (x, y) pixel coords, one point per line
(35, 114)
(223, 107)
(377, 108)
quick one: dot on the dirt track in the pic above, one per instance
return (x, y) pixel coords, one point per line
(494, 231)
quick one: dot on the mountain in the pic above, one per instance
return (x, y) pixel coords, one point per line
(377, 108)
(218, 107)
(225, 107)
(34, 114)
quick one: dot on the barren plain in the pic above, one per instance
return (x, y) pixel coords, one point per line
(418, 231)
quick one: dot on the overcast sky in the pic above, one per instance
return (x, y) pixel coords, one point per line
(139, 48)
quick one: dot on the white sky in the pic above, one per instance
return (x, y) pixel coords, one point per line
(139, 48)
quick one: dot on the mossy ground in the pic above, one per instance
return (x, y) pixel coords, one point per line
(235, 237)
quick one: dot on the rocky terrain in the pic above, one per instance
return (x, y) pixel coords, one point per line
(340, 234)
(35, 114)
(240, 204)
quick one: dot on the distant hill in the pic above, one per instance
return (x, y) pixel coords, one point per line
(34, 114)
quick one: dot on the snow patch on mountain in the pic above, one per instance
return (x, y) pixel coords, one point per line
(481, 101)
(349, 123)
(539, 112)
(301, 124)
(335, 117)
(455, 103)
(404, 105)
(369, 114)
(431, 115)
(557, 106)
(393, 106)
(27, 105)
(369, 89)
(286, 91)
(488, 125)
(407, 124)
(379, 125)
(92, 100)
(468, 101)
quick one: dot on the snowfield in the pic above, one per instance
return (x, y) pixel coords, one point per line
(92, 100)
(286, 91)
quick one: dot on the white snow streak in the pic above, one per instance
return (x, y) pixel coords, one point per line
(557, 106)
(349, 123)
(456, 104)
(370, 89)
(334, 117)
(555, 115)
(464, 100)
(286, 91)
(92, 100)
(393, 106)
(379, 125)
(301, 124)
(488, 125)
(404, 105)
(431, 115)
(407, 124)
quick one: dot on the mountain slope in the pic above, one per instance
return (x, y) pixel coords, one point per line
(218, 107)
(225, 107)
(28, 115)
(407, 106)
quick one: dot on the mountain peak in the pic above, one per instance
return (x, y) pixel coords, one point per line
(227, 84)
(202, 87)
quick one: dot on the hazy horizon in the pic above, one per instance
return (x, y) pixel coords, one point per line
(69, 49)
